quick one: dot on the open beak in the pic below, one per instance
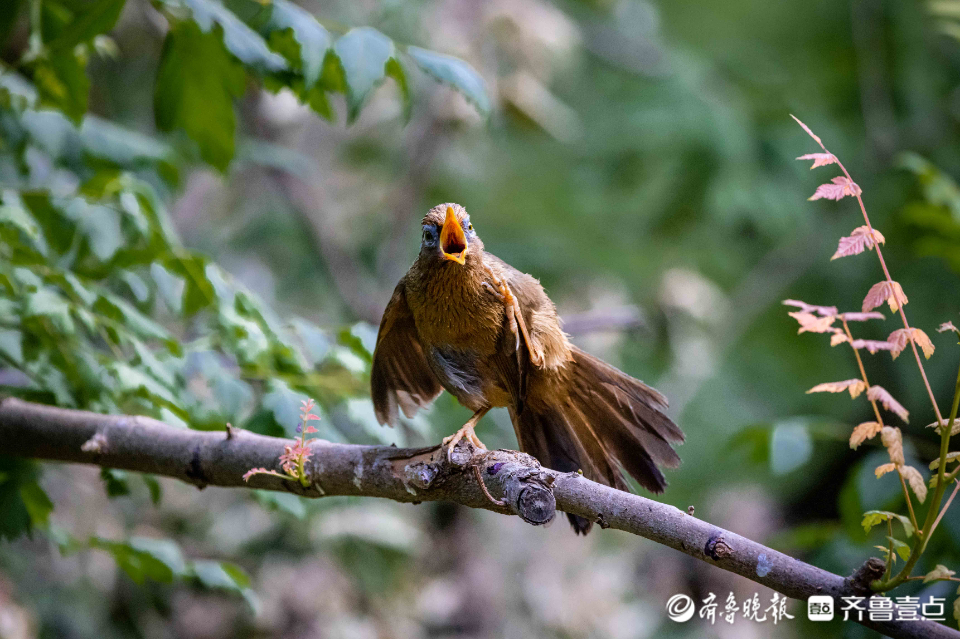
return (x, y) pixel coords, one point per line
(453, 242)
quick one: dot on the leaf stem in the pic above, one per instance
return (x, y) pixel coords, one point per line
(889, 570)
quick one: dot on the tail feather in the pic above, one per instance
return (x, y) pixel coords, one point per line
(606, 421)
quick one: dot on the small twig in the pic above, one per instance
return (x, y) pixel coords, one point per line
(229, 431)
(943, 510)
(483, 487)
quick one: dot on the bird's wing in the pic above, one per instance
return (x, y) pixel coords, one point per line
(543, 327)
(539, 313)
(400, 376)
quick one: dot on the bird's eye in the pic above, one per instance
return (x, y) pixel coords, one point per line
(469, 227)
(429, 236)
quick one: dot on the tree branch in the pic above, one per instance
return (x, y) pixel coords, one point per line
(526, 489)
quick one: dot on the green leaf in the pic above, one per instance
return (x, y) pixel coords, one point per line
(900, 548)
(16, 224)
(145, 558)
(198, 292)
(11, 345)
(100, 224)
(130, 318)
(92, 20)
(221, 575)
(873, 518)
(314, 40)
(363, 54)
(153, 485)
(284, 403)
(938, 573)
(284, 502)
(135, 382)
(196, 84)
(395, 70)
(15, 519)
(62, 83)
(37, 503)
(242, 41)
(455, 73)
(115, 482)
(49, 305)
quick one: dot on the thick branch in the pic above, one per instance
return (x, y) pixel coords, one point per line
(414, 475)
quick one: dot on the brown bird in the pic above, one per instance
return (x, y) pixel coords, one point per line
(464, 320)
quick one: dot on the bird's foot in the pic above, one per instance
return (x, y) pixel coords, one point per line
(514, 316)
(466, 431)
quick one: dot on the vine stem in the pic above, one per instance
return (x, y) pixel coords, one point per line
(876, 411)
(886, 271)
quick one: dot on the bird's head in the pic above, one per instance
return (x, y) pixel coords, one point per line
(448, 235)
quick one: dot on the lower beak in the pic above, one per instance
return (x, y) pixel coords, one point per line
(453, 242)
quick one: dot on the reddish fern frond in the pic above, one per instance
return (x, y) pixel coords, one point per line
(889, 292)
(819, 159)
(917, 483)
(883, 469)
(882, 395)
(811, 323)
(857, 242)
(863, 432)
(809, 132)
(855, 386)
(860, 317)
(901, 337)
(872, 345)
(823, 311)
(892, 440)
(839, 188)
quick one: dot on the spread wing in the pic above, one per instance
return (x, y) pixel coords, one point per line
(400, 376)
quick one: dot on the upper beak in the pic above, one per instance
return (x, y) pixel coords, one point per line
(453, 242)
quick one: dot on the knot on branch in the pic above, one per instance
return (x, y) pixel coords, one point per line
(716, 548)
(871, 570)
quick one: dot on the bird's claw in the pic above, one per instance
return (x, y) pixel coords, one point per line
(466, 431)
(514, 316)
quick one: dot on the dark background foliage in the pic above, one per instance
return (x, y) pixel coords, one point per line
(205, 208)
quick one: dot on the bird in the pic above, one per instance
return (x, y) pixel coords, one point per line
(463, 320)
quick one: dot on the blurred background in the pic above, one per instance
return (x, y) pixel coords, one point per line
(638, 158)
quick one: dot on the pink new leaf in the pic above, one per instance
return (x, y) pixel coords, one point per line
(819, 159)
(253, 471)
(811, 323)
(917, 483)
(858, 241)
(809, 132)
(310, 429)
(824, 311)
(840, 187)
(838, 337)
(901, 337)
(882, 292)
(892, 440)
(882, 395)
(883, 469)
(860, 317)
(872, 345)
(947, 326)
(863, 432)
(855, 386)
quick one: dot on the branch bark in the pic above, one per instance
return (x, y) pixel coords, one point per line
(524, 487)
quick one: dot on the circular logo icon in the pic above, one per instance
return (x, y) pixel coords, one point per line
(680, 608)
